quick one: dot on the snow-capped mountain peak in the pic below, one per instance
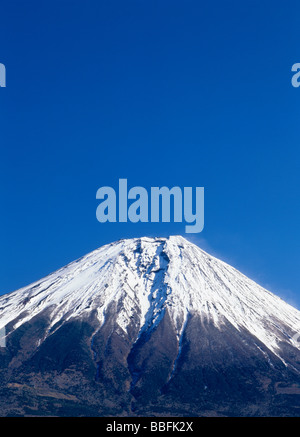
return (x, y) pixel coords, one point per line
(147, 326)
(147, 277)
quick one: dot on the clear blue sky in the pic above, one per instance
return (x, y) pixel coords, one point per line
(166, 92)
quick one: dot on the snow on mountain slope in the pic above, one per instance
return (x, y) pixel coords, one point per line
(149, 276)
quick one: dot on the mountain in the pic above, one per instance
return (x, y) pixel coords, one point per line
(148, 327)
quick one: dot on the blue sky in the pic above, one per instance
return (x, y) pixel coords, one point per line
(161, 93)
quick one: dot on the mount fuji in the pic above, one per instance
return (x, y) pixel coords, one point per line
(148, 327)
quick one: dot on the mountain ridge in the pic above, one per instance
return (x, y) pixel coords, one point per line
(39, 295)
(152, 320)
